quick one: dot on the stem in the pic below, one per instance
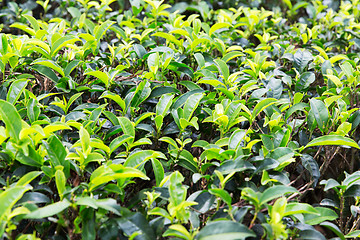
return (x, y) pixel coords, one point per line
(231, 215)
(341, 223)
(252, 223)
(352, 161)
(218, 204)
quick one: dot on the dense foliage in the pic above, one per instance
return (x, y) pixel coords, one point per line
(145, 120)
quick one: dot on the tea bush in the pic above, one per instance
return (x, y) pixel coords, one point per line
(183, 120)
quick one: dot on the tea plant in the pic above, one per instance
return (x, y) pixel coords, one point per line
(179, 120)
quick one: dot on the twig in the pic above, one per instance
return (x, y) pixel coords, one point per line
(326, 163)
(306, 188)
(355, 224)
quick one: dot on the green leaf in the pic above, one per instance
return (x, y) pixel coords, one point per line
(57, 153)
(218, 26)
(62, 42)
(87, 201)
(275, 88)
(4, 44)
(33, 198)
(139, 158)
(335, 80)
(169, 141)
(29, 156)
(75, 13)
(275, 192)
(49, 210)
(188, 163)
(236, 137)
(159, 119)
(27, 178)
(158, 171)
(311, 234)
(212, 82)
(182, 99)
(352, 190)
(223, 68)
(333, 140)
(223, 194)
(60, 181)
(299, 5)
(330, 183)
(159, 212)
(176, 189)
(200, 60)
(105, 174)
(353, 234)
(297, 208)
(104, 77)
(71, 66)
(23, 27)
(84, 139)
(116, 98)
(310, 164)
(305, 80)
(136, 223)
(296, 107)
(72, 100)
(237, 165)
(321, 113)
(50, 64)
(260, 106)
(139, 50)
(117, 142)
(142, 92)
(347, 69)
(224, 230)
(33, 110)
(191, 104)
(277, 211)
(10, 116)
(88, 230)
(288, 3)
(153, 62)
(9, 197)
(231, 55)
(301, 59)
(108, 204)
(15, 90)
(40, 46)
(177, 230)
(337, 58)
(168, 37)
(101, 30)
(324, 214)
(127, 126)
(333, 228)
(164, 104)
(47, 72)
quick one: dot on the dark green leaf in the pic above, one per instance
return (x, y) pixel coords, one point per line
(224, 230)
(301, 59)
(49, 210)
(305, 80)
(321, 113)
